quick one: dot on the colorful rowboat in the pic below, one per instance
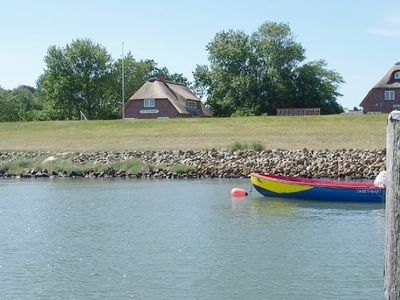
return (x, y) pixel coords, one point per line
(316, 189)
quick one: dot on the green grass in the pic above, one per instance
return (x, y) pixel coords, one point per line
(316, 132)
(247, 146)
(63, 165)
(130, 166)
(68, 167)
(20, 166)
(182, 169)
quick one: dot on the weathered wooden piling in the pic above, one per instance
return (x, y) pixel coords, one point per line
(392, 211)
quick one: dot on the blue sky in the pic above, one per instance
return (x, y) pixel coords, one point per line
(358, 39)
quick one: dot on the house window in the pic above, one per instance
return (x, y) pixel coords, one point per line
(397, 75)
(149, 102)
(389, 95)
(191, 104)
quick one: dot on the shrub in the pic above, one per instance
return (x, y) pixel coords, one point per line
(257, 146)
(20, 166)
(182, 169)
(130, 166)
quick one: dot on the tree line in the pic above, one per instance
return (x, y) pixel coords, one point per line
(246, 75)
(81, 77)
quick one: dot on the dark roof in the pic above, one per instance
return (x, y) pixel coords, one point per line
(176, 93)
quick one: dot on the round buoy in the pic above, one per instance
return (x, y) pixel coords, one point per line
(238, 192)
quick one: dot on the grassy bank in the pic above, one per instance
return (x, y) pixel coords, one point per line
(315, 132)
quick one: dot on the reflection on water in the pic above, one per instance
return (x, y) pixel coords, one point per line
(118, 239)
(315, 204)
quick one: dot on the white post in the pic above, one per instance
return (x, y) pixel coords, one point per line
(123, 83)
(392, 210)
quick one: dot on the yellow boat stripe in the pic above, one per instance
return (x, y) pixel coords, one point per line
(279, 187)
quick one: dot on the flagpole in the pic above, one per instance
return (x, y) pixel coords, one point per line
(123, 83)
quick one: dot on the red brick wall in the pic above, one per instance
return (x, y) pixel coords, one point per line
(165, 108)
(376, 101)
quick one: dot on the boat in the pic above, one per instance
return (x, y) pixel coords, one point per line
(316, 189)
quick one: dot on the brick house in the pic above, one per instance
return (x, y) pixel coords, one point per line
(385, 95)
(159, 98)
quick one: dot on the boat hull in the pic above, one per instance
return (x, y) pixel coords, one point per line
(279, 186)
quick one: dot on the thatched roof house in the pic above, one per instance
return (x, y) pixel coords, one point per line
(159, 98)
(385, 95)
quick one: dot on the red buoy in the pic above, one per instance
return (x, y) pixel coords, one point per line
(238, 192)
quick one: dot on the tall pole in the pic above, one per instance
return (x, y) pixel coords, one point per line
(123, 83)
(392, 211)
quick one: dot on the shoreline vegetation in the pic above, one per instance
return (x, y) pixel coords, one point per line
(340, 164)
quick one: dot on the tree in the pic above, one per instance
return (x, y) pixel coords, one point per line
(256, 74)
(8, 106)
(20, 104)
(136, 73)
(29, 103)
(78, 78)
(317, 87)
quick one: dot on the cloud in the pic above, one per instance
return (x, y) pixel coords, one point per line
(390, 27)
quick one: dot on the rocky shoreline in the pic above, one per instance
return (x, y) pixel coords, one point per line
(338, 164)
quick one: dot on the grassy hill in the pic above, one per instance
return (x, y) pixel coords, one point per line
(314, 132)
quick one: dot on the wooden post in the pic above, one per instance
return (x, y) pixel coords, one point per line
(392, 211)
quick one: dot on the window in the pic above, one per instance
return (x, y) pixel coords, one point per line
(389, 95)
(149, 102)
(191, 104)
(397, 75)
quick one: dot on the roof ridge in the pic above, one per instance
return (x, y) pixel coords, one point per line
(171, 90)
(165, 81)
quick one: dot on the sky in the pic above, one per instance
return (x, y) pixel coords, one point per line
(358, 39)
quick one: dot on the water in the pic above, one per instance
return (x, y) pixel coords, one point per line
(117, 239)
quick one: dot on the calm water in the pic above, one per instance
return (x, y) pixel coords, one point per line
(117, 239)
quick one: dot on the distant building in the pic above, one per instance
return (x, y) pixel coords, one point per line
(159, 98)
(354, 111)
(385, 95)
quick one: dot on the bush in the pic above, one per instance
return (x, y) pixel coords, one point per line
(182, 169)
(257, 146)
(130, 166)
(20, 166)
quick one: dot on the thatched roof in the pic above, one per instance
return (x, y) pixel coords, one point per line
(388, 80)
(176, 93)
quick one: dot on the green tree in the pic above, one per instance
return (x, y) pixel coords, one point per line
(136, 73)
(256, 74)
(9, 108)
(317, 87)
(178, 78)
(78, 78)
(20, 104)
(29, 103)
